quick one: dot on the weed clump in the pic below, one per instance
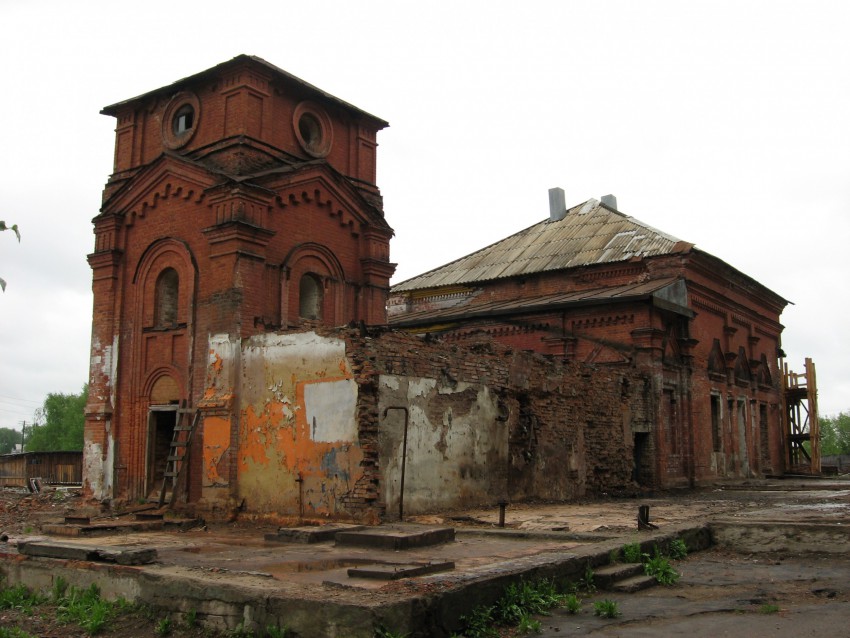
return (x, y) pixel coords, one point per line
(660, 568)
(632, 553)
(606, 609)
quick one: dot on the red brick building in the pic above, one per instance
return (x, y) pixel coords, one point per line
(242, 200)
(592, 285)
(242, 226)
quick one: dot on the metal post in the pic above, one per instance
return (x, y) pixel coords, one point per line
(502, 506)
(403, 457)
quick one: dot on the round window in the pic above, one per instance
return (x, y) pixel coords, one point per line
(312, 129)
(180, 120)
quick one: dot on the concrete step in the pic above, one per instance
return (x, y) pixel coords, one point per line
(605, 577)
(633, 584)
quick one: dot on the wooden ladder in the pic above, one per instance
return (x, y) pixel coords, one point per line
(178, 454)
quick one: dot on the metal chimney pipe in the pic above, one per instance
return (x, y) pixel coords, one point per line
(557, 204)
(610, 201)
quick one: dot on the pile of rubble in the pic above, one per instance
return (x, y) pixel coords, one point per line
(23, 512)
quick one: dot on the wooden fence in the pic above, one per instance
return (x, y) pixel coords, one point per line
(52, 468)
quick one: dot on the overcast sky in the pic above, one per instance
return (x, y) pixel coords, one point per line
(726, 124)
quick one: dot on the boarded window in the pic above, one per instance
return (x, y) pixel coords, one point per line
(167, 285)
(716, 424)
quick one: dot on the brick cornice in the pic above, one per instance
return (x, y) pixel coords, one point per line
(237, 237)
(104, 264)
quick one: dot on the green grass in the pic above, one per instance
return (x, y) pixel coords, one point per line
(14, 632)
(479, 623)
(528, 625)
(660, 568)
(86, 608)
(632, 553)
(191, 619)
(520, 601)
(163, 627)
(588, 582)
(523, 598)
(572, 603)
(21, 598)
(769, 609)
(677, 549)
(606, 609)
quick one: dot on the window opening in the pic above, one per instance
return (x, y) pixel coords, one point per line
(184, 119)
(716, 424)
(165, 303)
(311, 131)
(310, 295)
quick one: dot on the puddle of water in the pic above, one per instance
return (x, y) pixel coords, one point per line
(203, 549)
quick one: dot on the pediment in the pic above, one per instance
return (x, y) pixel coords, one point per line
(671, 347)
(763, 375)
(716, 360)
(321, 187)
(605, 354)
(167, 179)
(742, 366)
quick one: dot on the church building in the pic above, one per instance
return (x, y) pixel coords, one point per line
(248, 354)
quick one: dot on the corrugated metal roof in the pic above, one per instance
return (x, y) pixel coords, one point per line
(590, 233)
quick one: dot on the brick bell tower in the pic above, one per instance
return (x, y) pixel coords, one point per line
(242, 200)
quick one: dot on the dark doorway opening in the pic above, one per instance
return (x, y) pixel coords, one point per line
(642, 470)
(162, 420)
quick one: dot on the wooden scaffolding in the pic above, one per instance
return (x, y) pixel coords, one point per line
(801, 419)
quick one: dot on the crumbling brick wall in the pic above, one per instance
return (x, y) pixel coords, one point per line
(569, 424)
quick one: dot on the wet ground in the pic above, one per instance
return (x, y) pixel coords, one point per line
(721, 593)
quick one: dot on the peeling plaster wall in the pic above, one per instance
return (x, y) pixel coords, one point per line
(457, 451)
(312, 425)
(297, 443)
(99, 448)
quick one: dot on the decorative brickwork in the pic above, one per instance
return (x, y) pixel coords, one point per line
(218, 206)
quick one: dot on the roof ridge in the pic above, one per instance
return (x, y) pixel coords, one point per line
(611, 236)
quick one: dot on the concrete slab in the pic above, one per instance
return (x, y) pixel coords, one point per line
(395, 572)
(80, 552)
(310, 534)
(396, 537)
(230, 576)
(52, 549)
(103, 528)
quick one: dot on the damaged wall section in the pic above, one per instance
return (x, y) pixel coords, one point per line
(488, 422)
(314, 437)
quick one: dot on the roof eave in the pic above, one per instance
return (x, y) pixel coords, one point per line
(544, 306)
(113, 109)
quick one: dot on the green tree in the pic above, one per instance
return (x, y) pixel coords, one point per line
(835, 434)
(59, 423)
(14, 228)
(8, 439)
